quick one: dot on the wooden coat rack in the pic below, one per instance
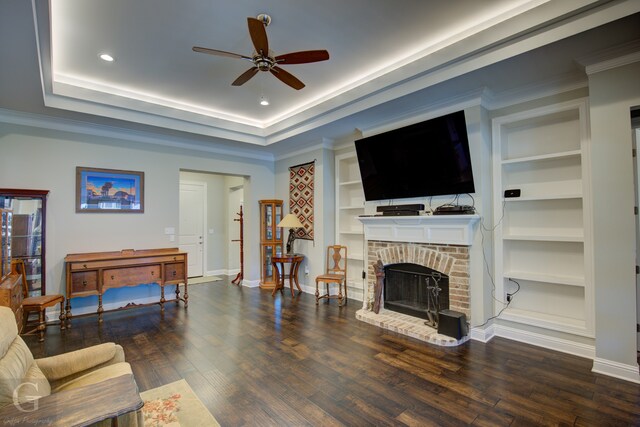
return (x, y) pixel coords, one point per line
(240, 275)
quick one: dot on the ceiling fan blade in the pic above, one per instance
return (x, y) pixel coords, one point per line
(287, 78)
(303, 57)
(258, 36)
(245, 77)
(218, 52)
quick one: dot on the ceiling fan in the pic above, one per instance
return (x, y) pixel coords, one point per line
(263, 58)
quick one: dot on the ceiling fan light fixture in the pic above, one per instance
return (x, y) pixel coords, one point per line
(106, 57)
(264, 18)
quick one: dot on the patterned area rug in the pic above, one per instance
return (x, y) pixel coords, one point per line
(204, 279)
(174, 405)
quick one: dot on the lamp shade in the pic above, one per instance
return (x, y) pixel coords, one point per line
(290, 220)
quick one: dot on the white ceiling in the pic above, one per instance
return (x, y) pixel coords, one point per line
(380, 51)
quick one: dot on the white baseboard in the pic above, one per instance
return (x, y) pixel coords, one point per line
(616, 370)
(307, 289)
(250, 283)
(221, 272)
(483, 334)
(540, 340)
(311, 289)
(600, 366)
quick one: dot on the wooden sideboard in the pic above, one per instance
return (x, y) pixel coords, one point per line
(11, 296)
(96, 272)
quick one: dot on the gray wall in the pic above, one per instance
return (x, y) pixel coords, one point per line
(46, 159)
(324, 209)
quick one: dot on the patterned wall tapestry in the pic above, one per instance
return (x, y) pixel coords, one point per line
(301, 197)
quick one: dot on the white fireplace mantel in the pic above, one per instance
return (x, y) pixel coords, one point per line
(440, 229)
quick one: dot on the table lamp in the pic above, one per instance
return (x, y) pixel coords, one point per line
(292, 222)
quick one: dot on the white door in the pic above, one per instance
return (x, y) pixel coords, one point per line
(191, 233)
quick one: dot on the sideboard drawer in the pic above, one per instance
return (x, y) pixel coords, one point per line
(174, 271)
(84, 281)
(130, 276)
(16, 297)
(172, 258)
(134, 261)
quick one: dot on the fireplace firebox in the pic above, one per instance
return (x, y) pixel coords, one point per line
(416, 290)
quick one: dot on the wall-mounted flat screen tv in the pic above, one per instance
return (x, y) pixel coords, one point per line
(430, 158)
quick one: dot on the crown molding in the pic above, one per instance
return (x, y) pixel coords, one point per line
(429, 111)
(607, 59)
(554, 86)
(613, 63)
(84, 128)
(326, 144)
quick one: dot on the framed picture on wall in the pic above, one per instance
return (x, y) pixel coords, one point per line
(109, 190)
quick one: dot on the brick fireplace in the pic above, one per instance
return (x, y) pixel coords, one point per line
(440, 244)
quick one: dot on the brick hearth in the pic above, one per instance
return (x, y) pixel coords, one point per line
(452, 260)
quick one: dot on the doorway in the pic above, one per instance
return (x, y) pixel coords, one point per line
(193, 211)
(207, 230)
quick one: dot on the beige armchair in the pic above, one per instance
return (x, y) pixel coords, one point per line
(55, 374)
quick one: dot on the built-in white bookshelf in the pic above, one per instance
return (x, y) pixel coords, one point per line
(349, 231)
(543, 239)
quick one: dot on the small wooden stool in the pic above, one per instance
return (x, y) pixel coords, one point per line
(37, 304)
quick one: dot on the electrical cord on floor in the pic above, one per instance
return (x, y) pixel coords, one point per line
(509, 300)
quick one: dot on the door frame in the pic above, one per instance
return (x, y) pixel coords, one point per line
(205, 239)
(636, 172)
(635, 140)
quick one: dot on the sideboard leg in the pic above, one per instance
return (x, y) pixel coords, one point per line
(186, 295)
(100, 308)
(67, 314)
(177, 293)
(162, 300)
(62, 316)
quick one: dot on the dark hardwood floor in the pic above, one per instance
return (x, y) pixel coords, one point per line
(257, 360)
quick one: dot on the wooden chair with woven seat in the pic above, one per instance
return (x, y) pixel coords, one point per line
(336, 273)
(37, 304)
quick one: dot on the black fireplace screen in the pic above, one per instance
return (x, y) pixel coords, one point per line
(416, 290)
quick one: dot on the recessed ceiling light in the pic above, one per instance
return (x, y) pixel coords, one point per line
(107, 57)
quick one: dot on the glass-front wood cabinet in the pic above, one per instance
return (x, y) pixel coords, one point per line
(5, 239)
(28, 237)
(270, 239)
